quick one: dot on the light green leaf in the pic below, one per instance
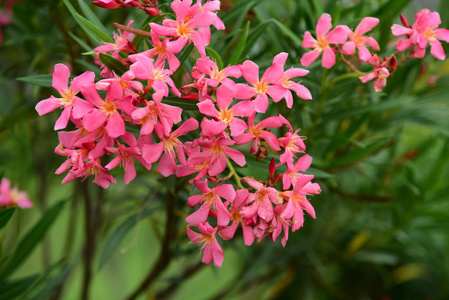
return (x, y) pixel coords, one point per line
(113, 64)
(44, 80)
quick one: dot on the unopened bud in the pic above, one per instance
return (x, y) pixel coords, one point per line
(392, 63)
(404, 21)
(272, 167)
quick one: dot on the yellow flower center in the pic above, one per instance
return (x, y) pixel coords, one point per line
(67, 98)
(184, 30)
(261, 87)
(226, 116)
(322, 43)
(108, 107)
(430, 34)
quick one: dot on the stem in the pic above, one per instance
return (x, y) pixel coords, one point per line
(234, 174)
(165, 254)
(92, 214)
(133, 30)
(349, 64)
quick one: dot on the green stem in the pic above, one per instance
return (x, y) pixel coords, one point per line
(234, 174)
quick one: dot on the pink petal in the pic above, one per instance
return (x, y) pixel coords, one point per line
(61, 76)
(372, 43)
(261, 103)
(442, 34)
(236, 156)
(226, 191)
(79, 82)
(437, 50)
(366, 25)
(167, 165)
(62, 121)
(199, 216)
(324, 25)
(47, 105)
(115, 126)
(328, 60)
(250, 72)
(296, 72)
(337, 36)
(152, 152)
(398, 30)
(308, 41)
(364, 54)
(243, 91)
(302, 91)
(207, 107)
(348, 48)
(81, 107)
(223, 215)
(310, 57)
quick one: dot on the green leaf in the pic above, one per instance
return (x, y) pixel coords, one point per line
(256, 33)
(237, 52)
(288, 32)
(90, 15)
(44, 80)
(360, 154)
(215, 56)
(16, 288)
(94, 33)
(184, 104)
(119, 234)
(53, 283)
(113, 64)
(5, 216)
(185, 53)
(30, 241)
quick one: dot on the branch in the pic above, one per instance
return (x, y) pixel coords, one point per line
(165, 254)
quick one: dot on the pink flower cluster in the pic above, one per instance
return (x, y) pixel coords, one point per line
(10, 197)
(230, 122)
(343, 41)
(149, 6)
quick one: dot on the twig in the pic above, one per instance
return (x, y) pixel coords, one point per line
(165, 254)
(133, 30)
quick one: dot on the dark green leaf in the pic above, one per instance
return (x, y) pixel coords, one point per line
(288, 32)
(184, 104)
(215, 56)
(52, 283)
(30, 241)
(90, 15)
(237, 52)
(94, 33)
(40, 80)
(360, 154)
(16, 288)
(5, 216)
(113, 64)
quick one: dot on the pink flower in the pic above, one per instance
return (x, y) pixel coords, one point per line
(293, 143)
(359, 41)
(154, 112)
(210, 199)
(73, 106)
(297, 201)
(422, 32)
(107, 114)
(380, 73)
(125, 156)
(168, 147)
(225, 116)
(292, 175)
(282, 87)
(122, 43)
(236, 218)
(184, 28)
(163, 54)
(257, 133)
(260, 88)
(12, 196)
(261, 202)
(211, 248)
(206, 66)
(158, 78)
(323, 43)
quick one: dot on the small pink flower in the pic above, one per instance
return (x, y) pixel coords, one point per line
(206, 66)
(424, 31)
(323, 42)
(72, 105)
(282, 87)
(12, 196)
(210, 198)
(293, 143)
(380, 73)
(211, 248)
(122, 43)
(359, 41)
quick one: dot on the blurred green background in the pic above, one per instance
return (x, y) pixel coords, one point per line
(382, 160)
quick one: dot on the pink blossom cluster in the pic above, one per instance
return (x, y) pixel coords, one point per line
(231, 121)
(149, 6)
(10, 197)
(343, 41)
